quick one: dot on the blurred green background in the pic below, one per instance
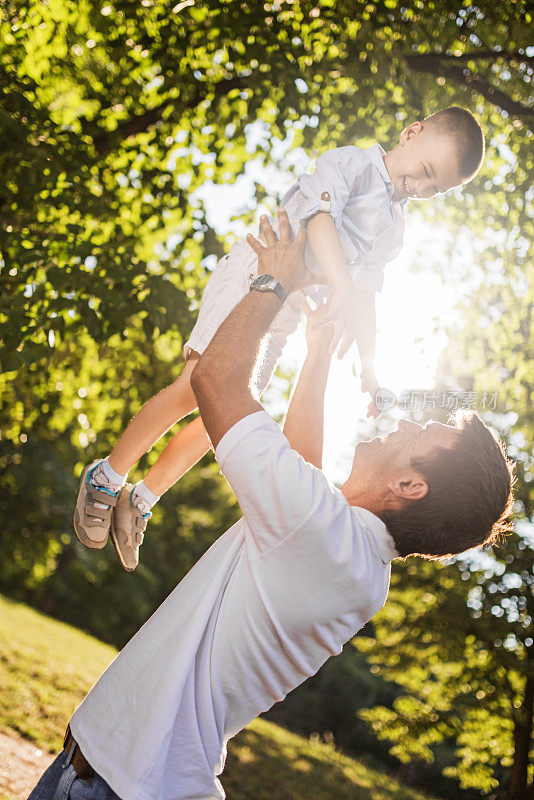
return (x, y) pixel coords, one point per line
(112, 115)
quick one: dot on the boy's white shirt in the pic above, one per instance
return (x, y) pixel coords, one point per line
(370, 224)
(276, 595)
(369, 221)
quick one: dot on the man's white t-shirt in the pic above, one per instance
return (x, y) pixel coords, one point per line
(278, 594)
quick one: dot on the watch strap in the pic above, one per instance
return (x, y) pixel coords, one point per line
(279, 290)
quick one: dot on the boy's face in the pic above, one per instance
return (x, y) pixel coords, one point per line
(424, 163)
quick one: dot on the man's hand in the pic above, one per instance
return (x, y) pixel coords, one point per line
(318, 337)
(283, 259)
(342, 311)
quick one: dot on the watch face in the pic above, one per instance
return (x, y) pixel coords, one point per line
(264, 282)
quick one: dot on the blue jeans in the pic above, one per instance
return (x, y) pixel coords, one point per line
(60, 782)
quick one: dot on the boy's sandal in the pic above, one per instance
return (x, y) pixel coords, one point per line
(91, 522)
(128, 525)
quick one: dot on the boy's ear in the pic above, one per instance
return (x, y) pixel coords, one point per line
(411, 131)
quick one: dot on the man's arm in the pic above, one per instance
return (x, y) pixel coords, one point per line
(304, 424)
(276, 488)
(352, 309)
(222, 377)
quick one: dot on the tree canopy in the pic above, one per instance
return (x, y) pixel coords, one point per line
(114, 112)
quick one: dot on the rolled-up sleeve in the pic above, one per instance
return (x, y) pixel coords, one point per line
(330, 186)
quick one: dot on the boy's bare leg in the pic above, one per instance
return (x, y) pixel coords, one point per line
(101, 504)
(155, 418)
(182, 452)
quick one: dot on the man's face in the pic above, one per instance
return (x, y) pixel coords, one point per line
(381, 467)
(424, 163)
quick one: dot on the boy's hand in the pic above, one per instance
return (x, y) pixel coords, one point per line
(370, 385)
(340, 312)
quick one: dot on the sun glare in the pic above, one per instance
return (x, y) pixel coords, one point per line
(411, 312)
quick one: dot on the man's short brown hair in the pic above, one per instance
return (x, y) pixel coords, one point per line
(469, 495)
(463, 127)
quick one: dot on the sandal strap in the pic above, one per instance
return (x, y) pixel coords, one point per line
(93, 515)
(99, 496)
(140, 523)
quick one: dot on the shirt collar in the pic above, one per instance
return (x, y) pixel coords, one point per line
(378, 533)
(376, 153)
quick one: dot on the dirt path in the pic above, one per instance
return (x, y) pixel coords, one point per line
(21, 765)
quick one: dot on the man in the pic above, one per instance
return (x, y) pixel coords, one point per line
(289, 583)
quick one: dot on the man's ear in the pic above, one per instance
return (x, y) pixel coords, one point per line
(411, 131)
(409, 487)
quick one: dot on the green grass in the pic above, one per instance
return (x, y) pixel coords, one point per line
(46, 667)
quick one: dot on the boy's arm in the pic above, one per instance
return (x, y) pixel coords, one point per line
(304, 423)
(324, 241)
(351, 309)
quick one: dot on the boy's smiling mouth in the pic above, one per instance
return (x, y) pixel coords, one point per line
(406, 191)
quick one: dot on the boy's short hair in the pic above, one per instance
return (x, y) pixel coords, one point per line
(469, 495)
(464, 128)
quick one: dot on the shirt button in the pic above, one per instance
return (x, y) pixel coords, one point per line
(325, 196)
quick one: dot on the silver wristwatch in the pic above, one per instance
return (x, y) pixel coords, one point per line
(266, 283)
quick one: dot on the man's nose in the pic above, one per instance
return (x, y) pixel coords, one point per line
(407, 426)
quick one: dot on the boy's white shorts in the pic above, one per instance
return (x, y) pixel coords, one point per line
(227, 285)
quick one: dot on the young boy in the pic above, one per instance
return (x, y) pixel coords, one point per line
(353, 209)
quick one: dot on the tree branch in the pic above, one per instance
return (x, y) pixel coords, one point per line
(433, 65)
(143, 122)
(482, 55)
(20, 225)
